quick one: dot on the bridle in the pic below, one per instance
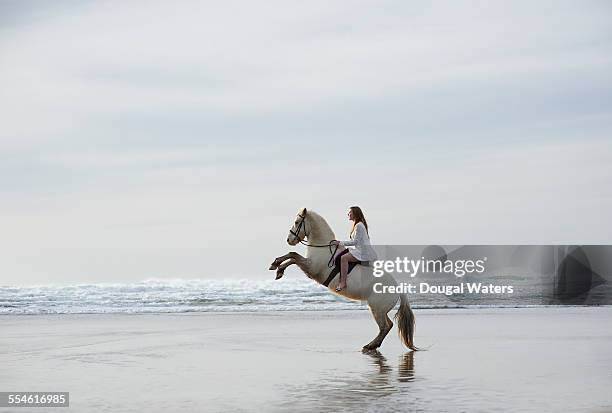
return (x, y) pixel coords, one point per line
(296, 234)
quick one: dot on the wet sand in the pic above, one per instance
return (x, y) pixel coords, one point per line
(531, 359)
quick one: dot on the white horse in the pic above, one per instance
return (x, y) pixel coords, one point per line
(312, 230)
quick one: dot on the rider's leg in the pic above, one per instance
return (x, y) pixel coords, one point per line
(344, 264)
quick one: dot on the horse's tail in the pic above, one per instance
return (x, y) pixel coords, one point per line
(405, 323)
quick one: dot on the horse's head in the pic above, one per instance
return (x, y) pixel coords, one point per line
(298, 231)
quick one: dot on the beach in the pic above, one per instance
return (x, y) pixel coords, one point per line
(503, 359)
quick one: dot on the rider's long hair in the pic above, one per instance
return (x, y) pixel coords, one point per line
(358, 217)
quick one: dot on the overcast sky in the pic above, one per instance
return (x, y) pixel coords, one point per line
(164, 139)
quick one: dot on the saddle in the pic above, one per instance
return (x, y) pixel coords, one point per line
(336, 270)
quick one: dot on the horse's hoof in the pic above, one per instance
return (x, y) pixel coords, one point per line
(279, 274)
(369, 347)
(275, 264)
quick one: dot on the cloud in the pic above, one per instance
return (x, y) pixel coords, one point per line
(156, 130)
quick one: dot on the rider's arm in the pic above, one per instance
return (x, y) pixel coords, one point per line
(358, 237)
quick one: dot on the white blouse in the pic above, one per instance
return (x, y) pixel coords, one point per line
(360, 240)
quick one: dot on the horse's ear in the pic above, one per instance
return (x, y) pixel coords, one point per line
(304, 212)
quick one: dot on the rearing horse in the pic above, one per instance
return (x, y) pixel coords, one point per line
(313, 231)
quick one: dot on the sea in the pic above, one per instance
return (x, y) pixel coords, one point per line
(230, 295)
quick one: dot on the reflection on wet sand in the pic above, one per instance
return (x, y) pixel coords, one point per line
(351, 390)
(406, 367)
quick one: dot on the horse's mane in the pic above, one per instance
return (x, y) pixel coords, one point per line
(319, 222)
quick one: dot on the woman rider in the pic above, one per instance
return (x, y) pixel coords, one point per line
(360, 241)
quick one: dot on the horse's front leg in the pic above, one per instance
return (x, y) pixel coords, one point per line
(281, 269)
(281, 263)
(279, 260)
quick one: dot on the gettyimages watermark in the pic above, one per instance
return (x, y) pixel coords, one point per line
(412, 267)
(512, 275)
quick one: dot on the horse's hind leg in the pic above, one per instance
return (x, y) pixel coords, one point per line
(384, 325)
